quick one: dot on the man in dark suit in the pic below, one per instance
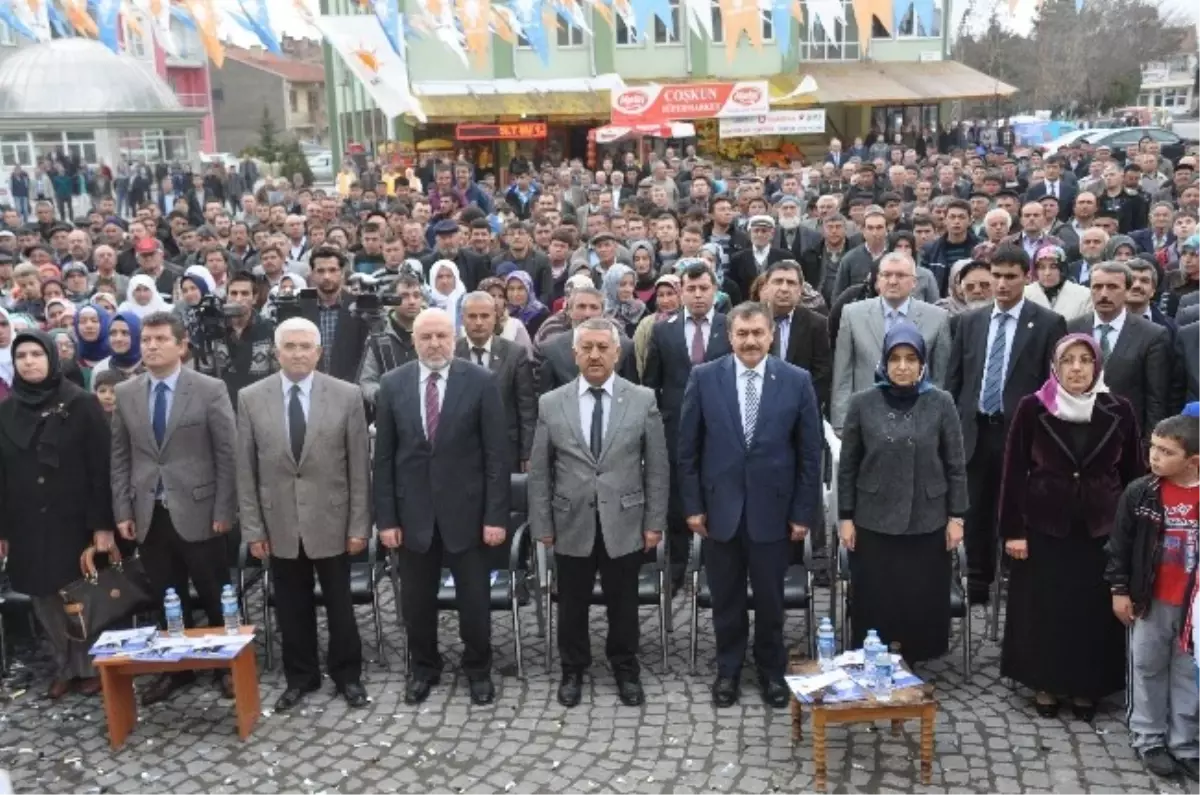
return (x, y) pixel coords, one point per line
(554, 361)
(1000, 354)
(1185, 384)
(512, 367)
(835, 155)
(343, 336)
(1135, 351)
(750, 477)
(801, 335)
(693, 336)
(746, 265)
(1054, 185)
(441, 493)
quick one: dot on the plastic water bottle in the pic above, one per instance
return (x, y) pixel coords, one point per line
(174, 610)
(229, 609)
(870, 651)
(826, 644)
(884, 669)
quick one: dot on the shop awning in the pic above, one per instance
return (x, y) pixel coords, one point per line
(611, 133)
(899, 82)
(461, 100)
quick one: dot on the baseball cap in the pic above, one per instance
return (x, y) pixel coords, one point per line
(147, 245)
(1192, 243)
(7, 233)
(446, 227)
(762, 220)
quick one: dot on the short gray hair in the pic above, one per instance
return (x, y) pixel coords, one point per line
(596, 324)
(900, 257)
(479, 295)
(296, 324)
(1120, 268)
(578, 291)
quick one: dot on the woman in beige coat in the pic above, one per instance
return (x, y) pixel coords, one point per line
(1050, 287)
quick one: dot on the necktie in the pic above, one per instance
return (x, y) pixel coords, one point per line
(893, 317)
(1105, 342)
(159, 420)
(993, 379)
(1054, 189)
(479, 352)
(433, 406)
(698, 341)
(296, 423)
(597, 432)
(751, 418)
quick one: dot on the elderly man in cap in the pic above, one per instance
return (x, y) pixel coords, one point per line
(791, 234)
(448, 245)
(746, 265)
(602, 251)
(150, 259)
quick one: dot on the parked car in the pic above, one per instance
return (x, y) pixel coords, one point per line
(321, 164)
(1053, 145)
(1121, 138)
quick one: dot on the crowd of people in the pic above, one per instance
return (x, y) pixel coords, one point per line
(1006, 345)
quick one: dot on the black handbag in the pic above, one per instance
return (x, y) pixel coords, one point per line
(103, 597)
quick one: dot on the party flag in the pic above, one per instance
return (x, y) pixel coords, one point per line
(644, 12)
(926, 16)
(79, 19)
(11, 16)
(531, 23)
(392, 22)
(738, 17)
(205, 18)
(475, 19)
(107, 15)
(259, 19)
(864, 11)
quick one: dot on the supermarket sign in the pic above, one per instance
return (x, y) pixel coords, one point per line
(775, 122)
(656, 104)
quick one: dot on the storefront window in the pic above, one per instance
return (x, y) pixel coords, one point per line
(14, 149)
(908, 120)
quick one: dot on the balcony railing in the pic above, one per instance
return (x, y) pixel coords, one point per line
(194, 100)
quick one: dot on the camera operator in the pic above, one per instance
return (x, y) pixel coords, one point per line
(386, 351)
(244, 351)
(343, 335)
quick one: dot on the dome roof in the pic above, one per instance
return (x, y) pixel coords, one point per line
(76, 77)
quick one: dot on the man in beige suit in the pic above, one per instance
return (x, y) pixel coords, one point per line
(174, 477)
(599, 479)
(303, 465)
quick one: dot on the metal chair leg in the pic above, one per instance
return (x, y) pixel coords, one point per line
(3, 649)
(997, 591)
(538, 606)
(549, 633)
(268, 636)
(380, 653)
(664, 604)
(516, 615)
(694, 640)
(808, 619)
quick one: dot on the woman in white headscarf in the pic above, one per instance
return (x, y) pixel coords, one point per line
(144, 298)
(203, 273)
(289, 286)
(446, 290)
(6, 360)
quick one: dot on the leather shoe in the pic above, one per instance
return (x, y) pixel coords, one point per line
(630, 692)
(774, 692)
(224, 683)
(725, 692)
(355, 695)
(1159, 762)
(89, 686)
(164, 685)
(58, 688)
(571, 689)
(1190, 768)
(482, 691)
(416, 690)
(293, 696)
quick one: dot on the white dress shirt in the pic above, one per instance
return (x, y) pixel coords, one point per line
(1117, 323)
(690, 329)
(306, 385)
(587, 405)
(487, 352)
(422, 381)
(740, 370)
(1010, 332)
(761, 255)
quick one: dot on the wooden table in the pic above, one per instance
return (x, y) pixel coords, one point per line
(907, 703)
(120, 704)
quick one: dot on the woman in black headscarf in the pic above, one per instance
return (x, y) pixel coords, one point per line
(55, 497)
(902, 493)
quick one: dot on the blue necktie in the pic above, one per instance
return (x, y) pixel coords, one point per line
(159, 420)
(993, 379)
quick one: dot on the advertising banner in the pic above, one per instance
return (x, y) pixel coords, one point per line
(656, 104)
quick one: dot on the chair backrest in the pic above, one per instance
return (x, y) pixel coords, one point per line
(518, 513)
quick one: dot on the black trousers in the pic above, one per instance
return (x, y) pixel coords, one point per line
(171, 561)
(619, 582)
(420, 578)
(296, 611)
(728, 563)
(983, 489)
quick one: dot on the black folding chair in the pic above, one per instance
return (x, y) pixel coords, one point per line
(959, 608)
(244, 573)
(514, 583)
(797, 593)
(365, 570)
(13, 604)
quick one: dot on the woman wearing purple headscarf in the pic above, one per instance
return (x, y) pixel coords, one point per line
(1072, 448)
(522, 301)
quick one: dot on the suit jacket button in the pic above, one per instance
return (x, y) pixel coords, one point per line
(41, 480)
(1076, 475)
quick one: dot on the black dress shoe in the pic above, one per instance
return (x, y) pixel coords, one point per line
(1159, 762)
(293, 696)
(164, 685)
(482, 691)
(224, 683)
(774, 692)
(1189, 768)
(725, 692)
(417, 690)
(630, 692)
(355, 695)
(1046, 705)
(1085, 711)
(571, 689)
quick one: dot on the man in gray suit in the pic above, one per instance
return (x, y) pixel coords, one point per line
(1186, 373)
(1135, 351)
(511, 365)
(598, 487)
(864, 323)
(304, 490)
(174, 477)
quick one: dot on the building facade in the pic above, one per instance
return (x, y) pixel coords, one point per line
(288, 90)
(1171, 85)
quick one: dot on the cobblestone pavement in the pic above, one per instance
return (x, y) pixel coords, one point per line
(988, 737)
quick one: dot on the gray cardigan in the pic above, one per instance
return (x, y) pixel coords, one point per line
(902, 473)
